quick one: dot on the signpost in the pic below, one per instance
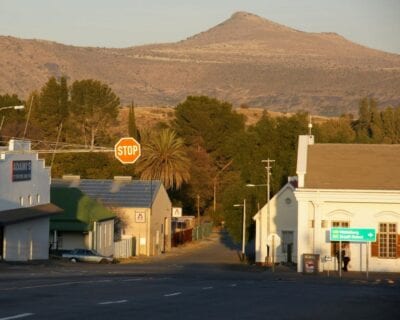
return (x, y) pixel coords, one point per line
(127, 150)
(353, 234)
(366, 235)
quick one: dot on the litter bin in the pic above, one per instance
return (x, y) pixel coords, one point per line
(310, 263)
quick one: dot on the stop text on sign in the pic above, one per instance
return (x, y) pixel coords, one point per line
(127, 150)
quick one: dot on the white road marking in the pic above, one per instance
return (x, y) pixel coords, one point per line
(172, 294)
(18, 316)
(134, 279)
(54, 285)
(113, 302)
(207, 288)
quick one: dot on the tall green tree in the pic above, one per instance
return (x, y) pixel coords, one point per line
(11, 121)
(132, 129)
(164, 158)
(207, 123)
(50, 109)
(94, 106)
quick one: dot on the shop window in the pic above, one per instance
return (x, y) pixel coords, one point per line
(387, 245)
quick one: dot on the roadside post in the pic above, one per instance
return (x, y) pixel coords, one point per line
(366, 235)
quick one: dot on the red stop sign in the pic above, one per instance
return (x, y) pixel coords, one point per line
(127, 150)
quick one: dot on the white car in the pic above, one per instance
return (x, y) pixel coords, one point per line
(86, 255)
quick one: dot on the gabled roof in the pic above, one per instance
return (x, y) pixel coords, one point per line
(353, 166)
(80, 211)
(118, 193)
(291, 184)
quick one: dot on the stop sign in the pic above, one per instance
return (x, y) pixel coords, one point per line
(127, 150)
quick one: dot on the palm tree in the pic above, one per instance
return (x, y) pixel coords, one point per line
(164, 158)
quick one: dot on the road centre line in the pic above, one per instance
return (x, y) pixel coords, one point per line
(233, 285)
(207, 288)
(172, 294)
(112, 302)
(134, 279)
(54, 285)
(18, 316)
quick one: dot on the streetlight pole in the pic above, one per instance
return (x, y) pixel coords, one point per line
(243, 227)
(9, 107)
(215, 180)
(262, 241)
(268, 167)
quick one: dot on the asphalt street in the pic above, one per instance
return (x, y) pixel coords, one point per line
(205, 280)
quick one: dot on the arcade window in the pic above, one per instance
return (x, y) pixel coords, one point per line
(387, 240)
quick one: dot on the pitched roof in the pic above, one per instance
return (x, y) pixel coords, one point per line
(79, 210)
(119, 193)
(28, 213)
(353, 166)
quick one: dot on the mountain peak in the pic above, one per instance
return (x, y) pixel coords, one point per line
(241, 26)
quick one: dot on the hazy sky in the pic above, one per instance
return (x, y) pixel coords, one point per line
(124, 23)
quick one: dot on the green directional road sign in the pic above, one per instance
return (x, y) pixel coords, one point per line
(353, 234)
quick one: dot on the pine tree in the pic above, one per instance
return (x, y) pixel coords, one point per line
(132, 129)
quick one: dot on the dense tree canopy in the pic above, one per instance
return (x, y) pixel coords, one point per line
(94, 106)
(207, 153)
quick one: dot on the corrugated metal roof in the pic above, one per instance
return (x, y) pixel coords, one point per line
(119, 193)
(353, 166)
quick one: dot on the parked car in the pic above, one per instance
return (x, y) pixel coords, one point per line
(86, 255)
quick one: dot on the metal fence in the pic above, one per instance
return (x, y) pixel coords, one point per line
(202, 231)
(192, 234)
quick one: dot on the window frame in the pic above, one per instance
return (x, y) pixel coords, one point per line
(389, 244)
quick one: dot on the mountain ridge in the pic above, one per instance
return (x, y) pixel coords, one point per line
(245, 60)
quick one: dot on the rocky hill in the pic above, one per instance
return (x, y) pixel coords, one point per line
(246, 60)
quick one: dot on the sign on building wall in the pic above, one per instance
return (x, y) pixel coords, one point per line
(176, 212)
(21, 170)
(140, 216)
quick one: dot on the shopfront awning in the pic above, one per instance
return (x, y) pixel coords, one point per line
(28, 213)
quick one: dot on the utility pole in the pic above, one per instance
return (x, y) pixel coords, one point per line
(268, 167)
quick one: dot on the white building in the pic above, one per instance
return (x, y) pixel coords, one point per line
(349, 185)
(25, 205)
(339, 185)
(276, 227)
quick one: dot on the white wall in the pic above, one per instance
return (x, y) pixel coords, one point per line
(28, 240)
(362, 209)
(10, 192)
(282, 217)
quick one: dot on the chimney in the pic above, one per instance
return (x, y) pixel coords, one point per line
(302, 151)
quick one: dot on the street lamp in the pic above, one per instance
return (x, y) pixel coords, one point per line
(13, 107)
(9, 107)
(244, 227)
(262, 236)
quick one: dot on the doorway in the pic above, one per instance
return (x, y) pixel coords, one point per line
(287, 245)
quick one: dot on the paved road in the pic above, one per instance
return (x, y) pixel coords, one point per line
(201, 281)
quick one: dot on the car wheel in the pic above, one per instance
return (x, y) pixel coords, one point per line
(72, 260)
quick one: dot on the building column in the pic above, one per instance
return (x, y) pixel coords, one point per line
(303, 233)
(317, 231)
